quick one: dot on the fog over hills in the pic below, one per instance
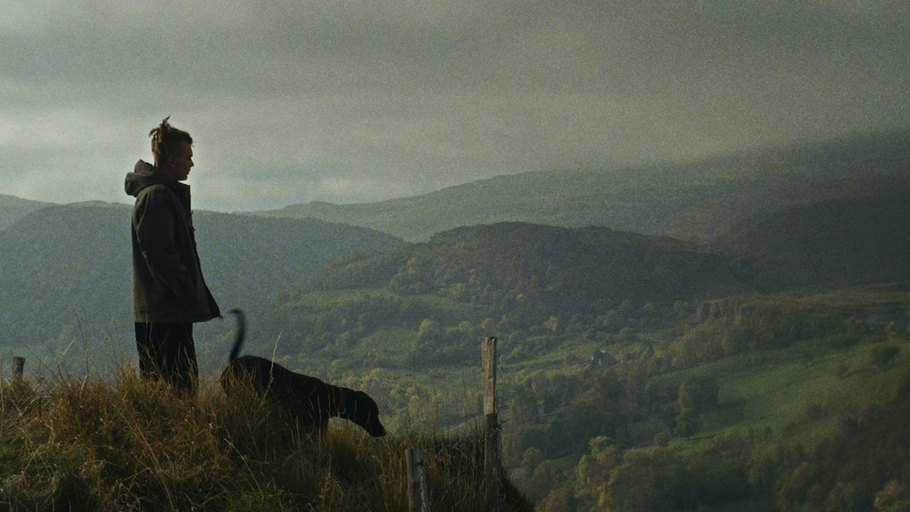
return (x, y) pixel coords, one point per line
(697, 200)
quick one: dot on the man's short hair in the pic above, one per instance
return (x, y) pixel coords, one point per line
(166, 138)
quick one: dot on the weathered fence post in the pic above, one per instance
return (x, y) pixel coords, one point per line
(18, 368)
(418, 488)
(492, 461)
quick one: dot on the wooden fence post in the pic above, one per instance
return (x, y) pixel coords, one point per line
(18, 368)
(418, 488)
(492, 461)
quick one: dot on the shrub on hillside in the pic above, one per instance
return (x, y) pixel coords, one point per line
(884, 357)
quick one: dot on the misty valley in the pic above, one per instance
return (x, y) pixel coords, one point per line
(731, 334)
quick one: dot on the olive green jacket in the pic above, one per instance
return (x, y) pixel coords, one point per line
(167, 278)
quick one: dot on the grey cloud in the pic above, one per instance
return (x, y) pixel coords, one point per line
(365, 100)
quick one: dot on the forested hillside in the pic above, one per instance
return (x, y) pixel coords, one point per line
(630, 365)
(559, 269)
(846, 241)
(510, 277)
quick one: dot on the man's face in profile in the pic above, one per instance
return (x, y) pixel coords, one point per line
(179, 163)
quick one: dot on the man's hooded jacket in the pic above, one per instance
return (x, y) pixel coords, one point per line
(167, 278)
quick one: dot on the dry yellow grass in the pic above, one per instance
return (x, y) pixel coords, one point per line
(132, 445)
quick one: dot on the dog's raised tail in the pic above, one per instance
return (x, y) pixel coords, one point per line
(240, 334)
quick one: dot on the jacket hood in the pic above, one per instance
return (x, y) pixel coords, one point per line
(143, 175)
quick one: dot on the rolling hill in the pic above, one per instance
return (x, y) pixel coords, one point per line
(796, 370)
(507, 276)
(565, 269)
(13, 208)
(696, 201)
(65, 270)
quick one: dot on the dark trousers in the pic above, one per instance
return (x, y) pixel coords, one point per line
(167, 352)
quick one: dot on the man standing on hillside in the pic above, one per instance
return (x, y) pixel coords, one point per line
(169, 292)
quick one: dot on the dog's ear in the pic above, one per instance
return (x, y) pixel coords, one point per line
(368, 401)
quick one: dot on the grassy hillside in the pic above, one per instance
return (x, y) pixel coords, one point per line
(690, 200)
(132, 446)
(65, 271)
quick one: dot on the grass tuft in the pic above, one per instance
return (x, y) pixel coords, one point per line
(134, 445)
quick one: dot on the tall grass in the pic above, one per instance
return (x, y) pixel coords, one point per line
(82, 444)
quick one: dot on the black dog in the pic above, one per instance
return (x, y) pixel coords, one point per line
(311, 401)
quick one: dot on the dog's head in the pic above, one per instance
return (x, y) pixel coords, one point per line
(362, 410)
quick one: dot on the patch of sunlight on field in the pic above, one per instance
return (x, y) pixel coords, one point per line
(801, 396)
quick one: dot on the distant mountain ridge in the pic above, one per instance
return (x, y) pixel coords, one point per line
(697, 201)
(13, 208)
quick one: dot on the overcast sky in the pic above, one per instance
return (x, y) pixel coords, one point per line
(358, 101)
